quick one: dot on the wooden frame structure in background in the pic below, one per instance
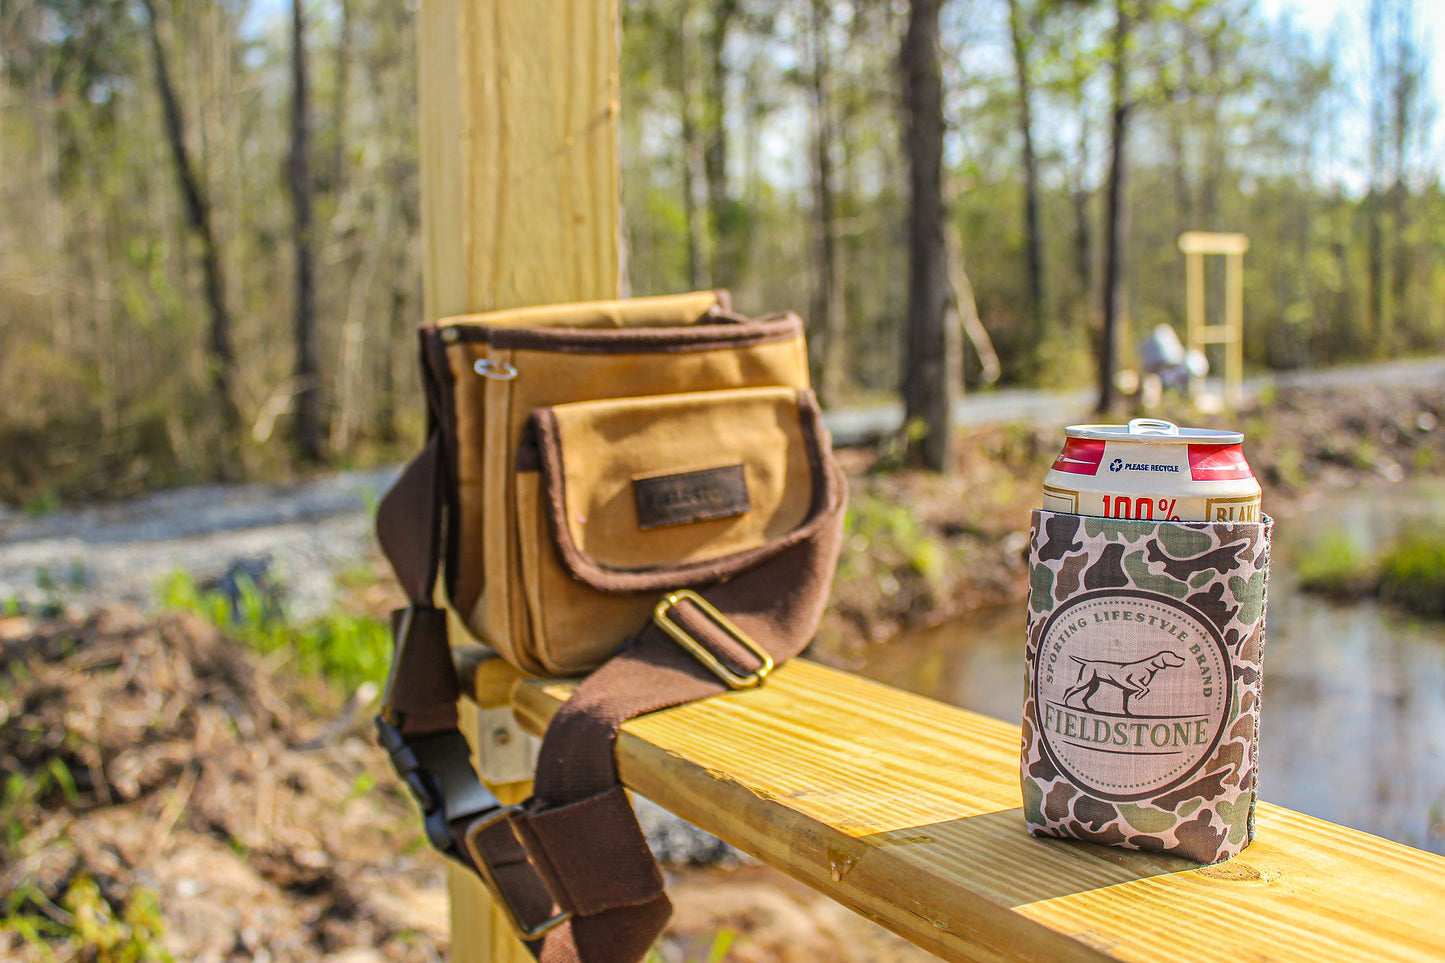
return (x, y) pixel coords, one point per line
(1195, 245)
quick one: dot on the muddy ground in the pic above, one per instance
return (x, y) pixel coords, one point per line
(168, 793)
(171, 795)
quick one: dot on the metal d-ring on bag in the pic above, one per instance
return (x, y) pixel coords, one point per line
(640, 490)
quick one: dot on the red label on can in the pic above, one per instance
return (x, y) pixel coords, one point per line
(1081, 456)
(1218, 463)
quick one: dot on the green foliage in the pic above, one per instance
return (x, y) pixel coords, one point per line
(890, 531)
(344, 648)
(364, 783)
(1409, 572)
(41, 505)
(87, 925)
(717, 952)
(1412, 571)
(25, 794)
(1335, 565)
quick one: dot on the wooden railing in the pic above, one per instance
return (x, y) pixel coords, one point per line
(908, 811)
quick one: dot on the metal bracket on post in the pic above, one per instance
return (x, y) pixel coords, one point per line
(505, 751)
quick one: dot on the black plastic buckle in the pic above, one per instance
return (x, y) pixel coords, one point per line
(437, 769)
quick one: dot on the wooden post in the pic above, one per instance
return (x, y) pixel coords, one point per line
(519, 179)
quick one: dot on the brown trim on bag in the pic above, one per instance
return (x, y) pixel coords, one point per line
(678, 337)
(440, 388)
(698, 337)
(827, 490)
(463, 333)
(820, 447)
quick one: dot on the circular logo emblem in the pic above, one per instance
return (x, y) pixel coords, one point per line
(1116, 465)
(1131, 692)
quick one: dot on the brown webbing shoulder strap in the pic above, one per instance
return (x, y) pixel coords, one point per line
(571, 864)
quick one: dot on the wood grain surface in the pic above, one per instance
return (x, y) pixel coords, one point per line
(908, 811)
(519, 170)
(520, 206)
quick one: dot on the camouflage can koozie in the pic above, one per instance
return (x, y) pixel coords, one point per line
(1141, 709)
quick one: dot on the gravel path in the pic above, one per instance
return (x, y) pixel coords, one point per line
(305, 534)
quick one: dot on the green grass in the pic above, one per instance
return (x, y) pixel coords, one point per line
(86, 925)
(27, 793)
(876, 527)
(717, 953)
(344, 648)
(1412, 571)
(1409, 572)
(1335, 565)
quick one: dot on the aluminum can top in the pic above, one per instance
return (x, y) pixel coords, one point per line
(1154, 431)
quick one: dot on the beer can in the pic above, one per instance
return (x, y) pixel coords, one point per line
(1153, 469)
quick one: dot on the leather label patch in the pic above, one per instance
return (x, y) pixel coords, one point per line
(690, 496)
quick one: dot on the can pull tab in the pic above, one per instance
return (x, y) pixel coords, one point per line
(1152, 426)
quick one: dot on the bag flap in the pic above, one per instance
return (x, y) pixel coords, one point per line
(662, 492)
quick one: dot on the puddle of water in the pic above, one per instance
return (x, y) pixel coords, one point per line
(1353, 727)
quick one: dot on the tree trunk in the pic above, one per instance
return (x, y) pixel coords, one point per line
(1034, 242)
(345, 50)
(198, 217)
(306, 425)
(1379, 321)
(726, 246)
(694, 205)
(1407, 82)
(827, 308)
(1083, 222)
(1179, 155)
(1216, 139)
(927, 391)
(1116, 225)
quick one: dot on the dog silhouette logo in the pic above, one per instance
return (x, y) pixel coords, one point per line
(1130, 678)
(1130, 692)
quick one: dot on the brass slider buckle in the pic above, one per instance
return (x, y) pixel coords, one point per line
(525, 932)
(698, 651)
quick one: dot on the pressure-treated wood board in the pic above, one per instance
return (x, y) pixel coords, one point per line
(519, 105)
(518, 123)
(908, 811)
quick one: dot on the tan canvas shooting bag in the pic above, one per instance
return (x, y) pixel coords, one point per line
(639, 489)
(609, 452)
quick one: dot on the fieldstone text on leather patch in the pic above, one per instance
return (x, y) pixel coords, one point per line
(690, 496)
